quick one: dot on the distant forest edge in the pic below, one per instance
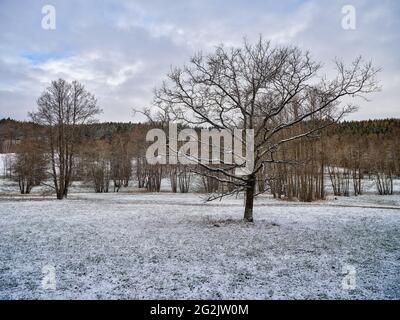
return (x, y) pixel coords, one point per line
(113, 153)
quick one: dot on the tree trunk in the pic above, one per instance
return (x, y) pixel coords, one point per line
(65, 192)
(60, 195)
(250, 188)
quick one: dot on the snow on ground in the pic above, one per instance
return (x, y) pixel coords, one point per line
(141, 245)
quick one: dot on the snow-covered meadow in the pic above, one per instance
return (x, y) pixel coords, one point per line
(143, 245)
(146, 245)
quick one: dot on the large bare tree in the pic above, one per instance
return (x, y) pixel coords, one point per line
(63, 108)
(261, 87)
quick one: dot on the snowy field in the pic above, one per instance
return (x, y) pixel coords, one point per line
(140, 245)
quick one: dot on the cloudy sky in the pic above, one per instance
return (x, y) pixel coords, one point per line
(121, 50)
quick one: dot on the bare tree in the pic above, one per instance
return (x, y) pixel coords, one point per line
(264, 88)
(63, 108)
(97, 164)
(121, 161)
(29, 165)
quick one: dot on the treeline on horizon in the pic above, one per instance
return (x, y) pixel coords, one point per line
(14, 130)
(113, 153)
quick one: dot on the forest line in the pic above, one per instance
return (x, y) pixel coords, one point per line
(113, 154)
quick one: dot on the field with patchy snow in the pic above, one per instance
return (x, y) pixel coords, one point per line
(136, 245)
